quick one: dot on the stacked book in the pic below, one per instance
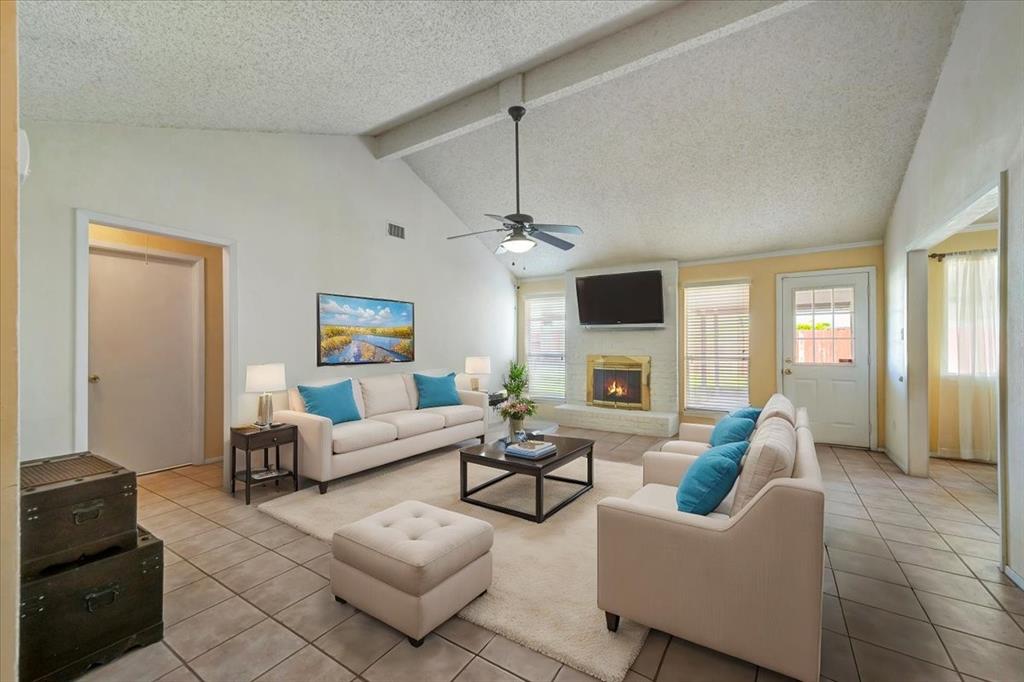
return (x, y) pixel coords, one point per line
(530, 449)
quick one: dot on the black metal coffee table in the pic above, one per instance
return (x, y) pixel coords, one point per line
(493, 455)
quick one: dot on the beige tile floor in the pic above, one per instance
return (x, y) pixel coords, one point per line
(911, 592)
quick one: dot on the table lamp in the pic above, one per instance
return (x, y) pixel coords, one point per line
(477, 366)
(263, 379)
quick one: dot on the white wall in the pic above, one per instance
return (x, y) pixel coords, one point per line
(661, 344)
(307, 213)
(974, 129)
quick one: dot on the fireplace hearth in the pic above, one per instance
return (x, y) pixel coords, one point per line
(619, 381)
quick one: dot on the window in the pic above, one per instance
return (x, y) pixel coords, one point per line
(824, 326)
(717, 364)
(545, 346)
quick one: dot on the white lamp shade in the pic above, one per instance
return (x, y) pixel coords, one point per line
(480, 364)
(265, 378)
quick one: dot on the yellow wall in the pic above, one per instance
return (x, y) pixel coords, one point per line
(213, 305)
(8, 342)
(761, 273)
(965, 241)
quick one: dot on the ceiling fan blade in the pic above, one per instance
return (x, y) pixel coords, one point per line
(500, 218)
(558, 229)
(554, 241)
(470, 234)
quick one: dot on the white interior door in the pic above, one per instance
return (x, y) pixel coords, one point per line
(825, 354)
(144, 354)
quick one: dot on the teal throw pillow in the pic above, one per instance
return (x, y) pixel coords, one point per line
(436, 391)
(334, 401)
(751, 413)
(707, 482)
(733, 451)
(731, 430)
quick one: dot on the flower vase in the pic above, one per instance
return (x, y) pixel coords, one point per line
(514, 427)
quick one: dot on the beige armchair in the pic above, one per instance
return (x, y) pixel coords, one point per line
(746, 584)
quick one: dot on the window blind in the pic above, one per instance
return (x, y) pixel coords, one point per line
(717, 346)
(545, 346)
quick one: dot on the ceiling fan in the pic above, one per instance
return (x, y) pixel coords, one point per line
(522, 231)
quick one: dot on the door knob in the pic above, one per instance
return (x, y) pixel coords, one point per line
(787, 371)
(94, 378)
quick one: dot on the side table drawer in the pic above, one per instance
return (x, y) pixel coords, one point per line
(271, 438)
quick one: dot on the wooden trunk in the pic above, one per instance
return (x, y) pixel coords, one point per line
(74, 506)
(79, 615)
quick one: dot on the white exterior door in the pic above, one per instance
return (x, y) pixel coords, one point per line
(143, 354)
(825, 355)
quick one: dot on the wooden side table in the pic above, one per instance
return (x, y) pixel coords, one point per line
(249, 438)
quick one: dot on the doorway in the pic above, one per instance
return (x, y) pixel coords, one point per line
(152, 368)
(826, 348)
(146, 339)
(956, 305)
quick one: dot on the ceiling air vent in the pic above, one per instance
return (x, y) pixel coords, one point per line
(396, 231)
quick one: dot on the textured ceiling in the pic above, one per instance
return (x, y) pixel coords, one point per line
(321, 67)
(794, 133)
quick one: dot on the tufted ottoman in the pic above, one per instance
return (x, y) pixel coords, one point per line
(413, 566)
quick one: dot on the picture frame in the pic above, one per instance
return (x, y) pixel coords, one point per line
(364, 330)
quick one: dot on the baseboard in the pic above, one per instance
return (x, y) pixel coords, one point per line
(1014, 576)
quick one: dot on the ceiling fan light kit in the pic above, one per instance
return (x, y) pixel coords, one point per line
(523, 233)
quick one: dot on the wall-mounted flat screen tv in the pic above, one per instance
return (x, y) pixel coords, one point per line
(624, 298)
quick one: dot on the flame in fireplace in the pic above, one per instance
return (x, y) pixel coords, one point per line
(615, 390)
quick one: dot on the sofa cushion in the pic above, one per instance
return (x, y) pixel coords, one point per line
(349, 436)
(656, 495)
(734, 451)
(771, 455)
(412, 422)
(457, 414)
(731, 430)
(664, 497)
(334, 401)
(777, 406)
(706, 483)
(436, 391)
(386, 393)
(297, 404)
(751, 413)
(412, 546)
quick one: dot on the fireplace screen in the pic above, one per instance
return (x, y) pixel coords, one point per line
(620, 381)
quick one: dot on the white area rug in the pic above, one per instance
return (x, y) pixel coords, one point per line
(544, 594)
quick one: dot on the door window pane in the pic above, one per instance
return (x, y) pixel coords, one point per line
(823, 326)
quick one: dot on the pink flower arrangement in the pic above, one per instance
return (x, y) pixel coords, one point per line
(517, 407)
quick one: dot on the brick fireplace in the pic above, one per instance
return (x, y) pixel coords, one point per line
(619, 381)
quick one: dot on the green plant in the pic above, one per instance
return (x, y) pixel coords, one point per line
(516, 380)
(820, 326)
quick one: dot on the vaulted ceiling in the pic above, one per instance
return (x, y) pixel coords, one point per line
(735, 137)
(310, 66)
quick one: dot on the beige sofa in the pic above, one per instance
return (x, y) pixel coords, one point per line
(746, 579)
(391, 427)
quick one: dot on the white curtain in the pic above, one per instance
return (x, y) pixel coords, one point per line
(968, 381)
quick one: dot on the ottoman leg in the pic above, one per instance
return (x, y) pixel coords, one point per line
(612, 621)
(339, 600)
(416, 643)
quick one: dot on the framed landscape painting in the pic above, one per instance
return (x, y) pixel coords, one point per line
(354, 330)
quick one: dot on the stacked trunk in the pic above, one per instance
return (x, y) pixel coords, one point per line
(92, 580)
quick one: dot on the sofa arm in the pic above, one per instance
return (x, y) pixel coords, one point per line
(685, 447)
(725, 584)
(478, 398)
(315, 436)
(699, 433)
(666, 468)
